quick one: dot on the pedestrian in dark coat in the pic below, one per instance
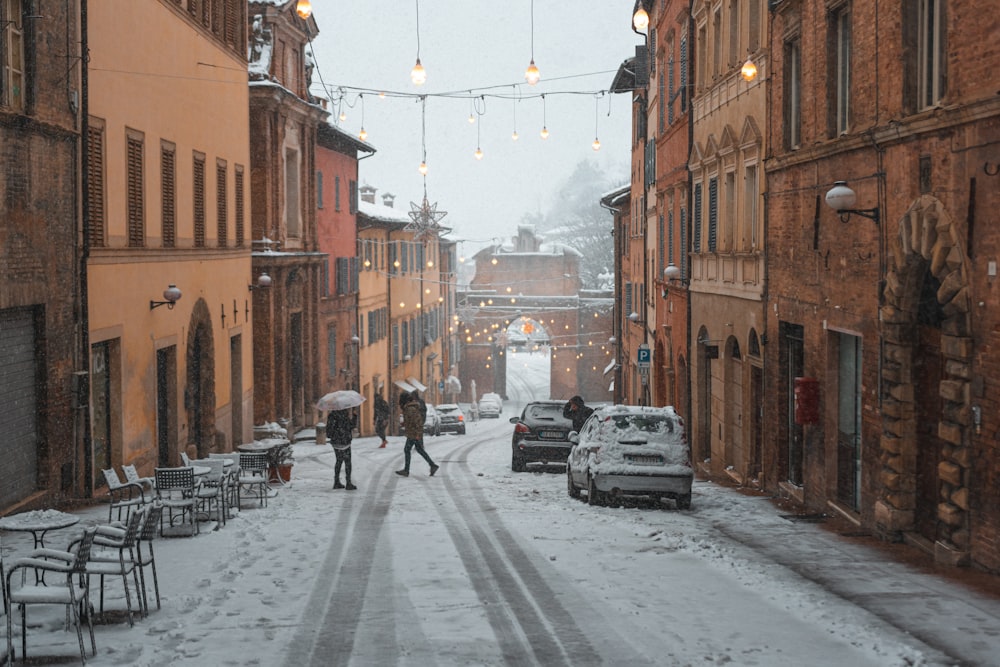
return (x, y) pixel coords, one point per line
(339, 431)
(414, 415)
(381, 418)
(576, 411)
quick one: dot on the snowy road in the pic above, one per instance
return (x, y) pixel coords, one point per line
(482, 566)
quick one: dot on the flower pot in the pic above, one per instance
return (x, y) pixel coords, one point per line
(283, 472)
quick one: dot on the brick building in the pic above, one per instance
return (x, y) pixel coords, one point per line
(42, 299)
(892, 307)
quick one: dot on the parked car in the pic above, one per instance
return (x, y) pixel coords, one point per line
(628, 450)
(541, 435)
(452, 418)
(432, 423)
(490, 405)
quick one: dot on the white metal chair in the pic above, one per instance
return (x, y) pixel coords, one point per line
(232, 479)
(176, 491)
(132, 476)
(253, 477)
(114, 555)
(73, 593)
(148, 559)
(123, 496)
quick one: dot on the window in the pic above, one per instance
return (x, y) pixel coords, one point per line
(319, 189)
(729, 221)
(347, 275)
(293, 213)
(353, 194)
(717, 42)
(240, 224)
(702, 57)
(336, 193)
(734, 33)
(168, 195)
(222, 202)
(662, 100)
(683, 243)
(135, 192)
(661, 236)
(331, 352)
(684, 74)
(395, 345)
(199, 200)
(753, 19)
(670, 234)
(96, 211)
(751, 234)
(12, 55)
(793, 94)
(841, 66)
(930, 53)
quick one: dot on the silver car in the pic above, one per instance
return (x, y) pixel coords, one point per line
(628, 450)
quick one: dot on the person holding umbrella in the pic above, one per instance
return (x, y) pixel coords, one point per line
(340, 424)
(339, 430)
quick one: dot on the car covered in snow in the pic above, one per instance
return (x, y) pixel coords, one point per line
(452, 418)
(490, 406)
(541, 435)
(629, 450)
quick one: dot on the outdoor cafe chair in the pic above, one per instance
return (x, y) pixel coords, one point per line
(114, 555)
(211, 491)
(123, 496)
(231, 476)
(253, 476)
(176, 491)
(74, 593)
(148, 559)
(132, 476)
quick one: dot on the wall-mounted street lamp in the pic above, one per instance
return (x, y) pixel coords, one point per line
(172, 296)
(640, 19)
(842, 200)
(304, 9)
(634, 318)
(672, 274)
(263, 282)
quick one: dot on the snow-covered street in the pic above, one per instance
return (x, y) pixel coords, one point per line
(481, 566)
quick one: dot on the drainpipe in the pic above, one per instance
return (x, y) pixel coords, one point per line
(687, 223)
(82, 394)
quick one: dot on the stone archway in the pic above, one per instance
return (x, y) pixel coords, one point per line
(927, 249)
(199, 389)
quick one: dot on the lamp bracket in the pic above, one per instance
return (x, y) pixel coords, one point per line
(870, 213)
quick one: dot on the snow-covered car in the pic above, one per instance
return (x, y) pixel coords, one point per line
(541, 435)
(490, 405)
(452, 418)
(432, 423)
(629, 450)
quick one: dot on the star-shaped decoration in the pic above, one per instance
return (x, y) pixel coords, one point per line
(425, 219)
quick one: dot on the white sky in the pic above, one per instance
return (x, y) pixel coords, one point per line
(469, 46)
(636, 586)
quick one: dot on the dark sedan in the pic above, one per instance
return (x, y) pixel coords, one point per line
(541, 435)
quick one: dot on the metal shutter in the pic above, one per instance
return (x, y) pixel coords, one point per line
(18, 410)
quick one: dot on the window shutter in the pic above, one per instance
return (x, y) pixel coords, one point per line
(663, 102)
(336, 193)
(95, 185)
(713, 213)
(319, 189)
(628, 299)
(342, 276)
(355, 270)
(684, 256)
(222, 204)
(331, 352)
(662, 238)
(392, 258)
(670, 236)
(395, 345)
(240, 224)
(135, 194)
(670, 88)
(199, 202)
(696, 217)
(684, 74)
(354, 196)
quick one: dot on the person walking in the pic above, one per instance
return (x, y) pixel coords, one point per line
(576, 411)
(381, 417)
(414, 411)
(339, 431)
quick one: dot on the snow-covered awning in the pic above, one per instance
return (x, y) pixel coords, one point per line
(405, 386)
(417, 383)
(611, 387)
(610, 367)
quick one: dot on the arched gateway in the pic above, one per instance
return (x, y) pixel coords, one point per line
(927, 349)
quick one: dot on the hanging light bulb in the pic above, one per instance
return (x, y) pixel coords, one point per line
(532, 75)
(418, 74)
(304, 9)
(479, 153)
(472, 119)
(381, 95)
(597, 142)
(545, 132)
(514, 135)
(362, 135)
(596, 145)
(422, 168)
(749, 70)
(343, 115)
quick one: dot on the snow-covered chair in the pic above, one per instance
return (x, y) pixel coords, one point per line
(114, 555)
(254, 476)
(123, 497)
(132, 475)
(176, 490)
(73, 592)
